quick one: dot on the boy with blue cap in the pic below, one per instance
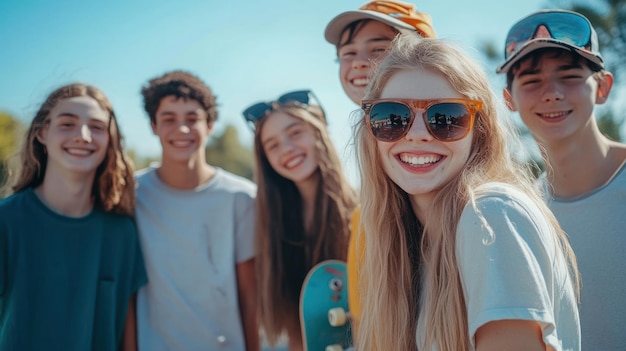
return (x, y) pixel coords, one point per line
(555, 76)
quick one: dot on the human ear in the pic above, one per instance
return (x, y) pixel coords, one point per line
(153, 126)
(40, 135)
(605, 83)
(508, 100)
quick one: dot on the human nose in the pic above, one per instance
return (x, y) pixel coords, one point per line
(418, 130)
(183, 128)
(84, 133)
(286, 146)
(361, 60)
(552, 92)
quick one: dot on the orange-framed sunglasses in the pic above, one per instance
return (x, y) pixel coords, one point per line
(446, 119)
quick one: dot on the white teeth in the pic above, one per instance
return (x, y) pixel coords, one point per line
(79, 152)
(553, 114)
(294, 162)
(360, 81)
(419, 160)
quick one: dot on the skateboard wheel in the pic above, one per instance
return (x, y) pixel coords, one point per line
(334, 348)
(337, 316)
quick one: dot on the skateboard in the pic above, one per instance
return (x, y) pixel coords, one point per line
(323, 306)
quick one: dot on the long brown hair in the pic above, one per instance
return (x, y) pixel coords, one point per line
(113, 187)
(397, 293)
(286, 250)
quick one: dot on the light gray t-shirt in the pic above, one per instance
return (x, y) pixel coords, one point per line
(596, 226)
(192, 241)
(517, 271)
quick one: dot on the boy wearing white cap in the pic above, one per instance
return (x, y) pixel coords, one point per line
(555, 76)
(362, 37)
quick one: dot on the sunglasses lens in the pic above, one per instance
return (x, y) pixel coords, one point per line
(256, 111)
(448, 121)
(563, 26)
(389, 120)
(297, 96)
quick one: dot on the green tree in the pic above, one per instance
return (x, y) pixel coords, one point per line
(10, 129)
(140, 162)
(227, 152)
(609, 126)
(609, 20)
(10, 133)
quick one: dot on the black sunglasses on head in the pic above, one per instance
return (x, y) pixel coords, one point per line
(259, 110)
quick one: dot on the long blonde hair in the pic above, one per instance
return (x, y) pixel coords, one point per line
(286, 250)
(113, 187)
(409, 268)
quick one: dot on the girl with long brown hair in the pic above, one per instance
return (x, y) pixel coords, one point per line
(303, 205)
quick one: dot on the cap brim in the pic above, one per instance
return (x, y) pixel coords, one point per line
(336, 26)
(542, 43)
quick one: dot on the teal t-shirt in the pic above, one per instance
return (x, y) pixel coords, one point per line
(65, 282)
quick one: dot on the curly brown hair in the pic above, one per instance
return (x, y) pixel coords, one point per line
(180, 84)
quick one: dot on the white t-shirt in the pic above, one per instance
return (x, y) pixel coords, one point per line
(192, 241)
(515, 272)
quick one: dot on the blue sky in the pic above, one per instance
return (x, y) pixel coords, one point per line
(246, 51)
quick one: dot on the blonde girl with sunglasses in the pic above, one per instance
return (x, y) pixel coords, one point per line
(70, 260)
(461, 253)
(555, 80)
(303, 206)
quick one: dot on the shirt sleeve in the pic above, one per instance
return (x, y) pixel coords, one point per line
(4, 254)
(5, 215)
(506, 272)
(244, 227)
(138, 276)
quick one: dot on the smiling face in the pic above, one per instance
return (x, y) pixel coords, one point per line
(357, 55)
(182, 128)
(76, 136)
(289, 145)
(418, 163)
(555, 98)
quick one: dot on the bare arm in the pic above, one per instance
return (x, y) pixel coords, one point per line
(246, 284)
(510, 335)
(129, 340)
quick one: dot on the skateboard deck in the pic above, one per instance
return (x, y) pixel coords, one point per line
(325, 288)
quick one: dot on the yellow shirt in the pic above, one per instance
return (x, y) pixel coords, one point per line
(354, 297)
